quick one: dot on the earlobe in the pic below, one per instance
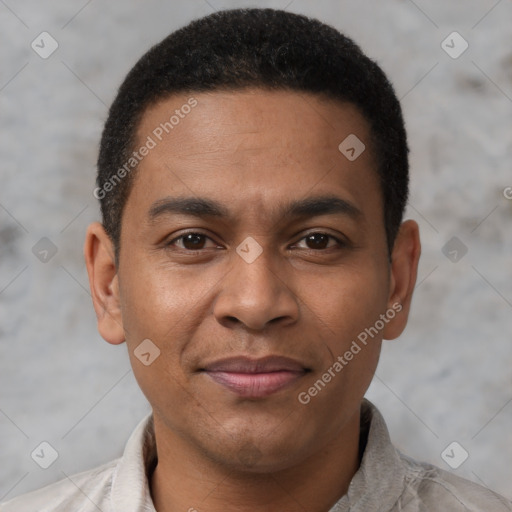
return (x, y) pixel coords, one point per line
(404, 269)
(103, 282)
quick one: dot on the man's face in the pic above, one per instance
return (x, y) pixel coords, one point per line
(303, 286)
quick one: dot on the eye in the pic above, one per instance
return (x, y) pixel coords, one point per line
(191, 241)
(196, 241)
(320, 241)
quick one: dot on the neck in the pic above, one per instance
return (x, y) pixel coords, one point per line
(187, 480)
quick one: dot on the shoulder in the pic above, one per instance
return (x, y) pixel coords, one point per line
(122, 481)
(84, 492)
(432, 487)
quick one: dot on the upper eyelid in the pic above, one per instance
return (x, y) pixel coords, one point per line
(189, 233)
(339, 240)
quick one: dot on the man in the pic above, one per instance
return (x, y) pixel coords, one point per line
(253, 175)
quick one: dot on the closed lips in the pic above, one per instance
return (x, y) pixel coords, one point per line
(255, 378)
(244, 364)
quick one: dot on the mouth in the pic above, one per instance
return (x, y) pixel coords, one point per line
(255, 378)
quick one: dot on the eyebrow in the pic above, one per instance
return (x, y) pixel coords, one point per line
(205, 208)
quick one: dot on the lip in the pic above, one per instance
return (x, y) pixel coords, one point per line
(255, 378)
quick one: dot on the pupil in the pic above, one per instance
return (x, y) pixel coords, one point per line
(194, 240)
(318, 241)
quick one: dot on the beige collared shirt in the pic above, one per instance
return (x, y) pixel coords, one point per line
(386, 481)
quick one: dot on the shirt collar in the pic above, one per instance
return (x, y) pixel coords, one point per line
(379, 481)
(130, 486)
(376, 485)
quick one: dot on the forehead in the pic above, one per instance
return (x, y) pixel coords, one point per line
(222, 120)
(251, 148)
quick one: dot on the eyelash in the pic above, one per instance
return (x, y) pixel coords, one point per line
(341, 244)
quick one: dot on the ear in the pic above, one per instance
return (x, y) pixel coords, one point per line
(104, 283)
(404, 270)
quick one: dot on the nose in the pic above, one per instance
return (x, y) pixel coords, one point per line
(256, 294)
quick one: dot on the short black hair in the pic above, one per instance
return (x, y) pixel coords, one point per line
(263, 48)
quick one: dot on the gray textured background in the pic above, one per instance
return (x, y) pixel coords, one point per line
(448, 378)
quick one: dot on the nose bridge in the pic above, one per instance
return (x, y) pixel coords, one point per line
(256, 266)
(253, 292)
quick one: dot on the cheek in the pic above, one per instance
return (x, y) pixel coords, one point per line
(158, 300)
(165, 306)
(355, 311)
(346, 307)
(155, 324)
(350, 301)
(150, 312)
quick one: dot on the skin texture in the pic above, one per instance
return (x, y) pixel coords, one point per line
(253, 151)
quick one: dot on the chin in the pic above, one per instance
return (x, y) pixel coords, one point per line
(259, 457)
